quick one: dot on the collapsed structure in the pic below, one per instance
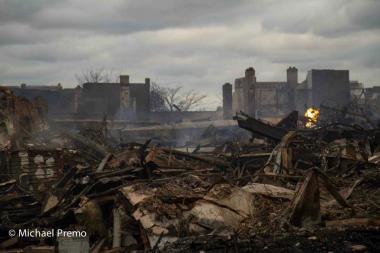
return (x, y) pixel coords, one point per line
(286, 188)
(242, 179)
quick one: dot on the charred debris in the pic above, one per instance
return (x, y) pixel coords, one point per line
(287, 189)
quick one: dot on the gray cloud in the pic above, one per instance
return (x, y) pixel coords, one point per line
(199, 44)
(19, 11)
(118, 16)
(323, 17)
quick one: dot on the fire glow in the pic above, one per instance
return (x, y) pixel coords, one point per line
(312, 115)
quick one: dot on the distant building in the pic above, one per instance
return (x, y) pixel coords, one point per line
(264, 98)
(93, 100)
(329, 87)
(275, 98)
(59, 101)
(244, 92)
(99, 99)
(123, 99)
(139, 98)
(357, 92)
(372, 100)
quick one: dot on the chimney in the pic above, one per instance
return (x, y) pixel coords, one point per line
(292, 76)
(124, 79)
(250, 74)
(227, 101)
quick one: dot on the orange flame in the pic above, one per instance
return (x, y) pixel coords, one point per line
(312, 115)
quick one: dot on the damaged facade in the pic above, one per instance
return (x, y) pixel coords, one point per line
(93, 100)
(59, 101)
(122, 101)
(322, 87)
(264, 99)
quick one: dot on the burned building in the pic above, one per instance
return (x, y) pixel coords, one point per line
(116, 99)
(124, 101)
(357, 91)
(329, 87)
(60, 102)
(275, 98)
(244, 92)
(210, 188)
(92, 100)
(19, 117)
(264, 98)
(135, 97)
(324, 87)
(239, 197)
(372, 100)
(99, 99)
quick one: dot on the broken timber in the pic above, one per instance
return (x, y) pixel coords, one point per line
(305, 207)
(263, 129)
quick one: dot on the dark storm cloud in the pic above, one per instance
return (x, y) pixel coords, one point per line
(199, 44)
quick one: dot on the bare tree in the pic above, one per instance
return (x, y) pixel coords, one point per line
(190, 100)
(98, 75)
(171, 97)
(178, 100)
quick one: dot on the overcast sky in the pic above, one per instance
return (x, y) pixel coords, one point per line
(193, 43)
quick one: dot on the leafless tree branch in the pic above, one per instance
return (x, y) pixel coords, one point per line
(178, 100)
(94, 75)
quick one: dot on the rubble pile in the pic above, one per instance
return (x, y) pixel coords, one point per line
(317, 189)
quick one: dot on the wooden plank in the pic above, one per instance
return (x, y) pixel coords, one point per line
(305, 207)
